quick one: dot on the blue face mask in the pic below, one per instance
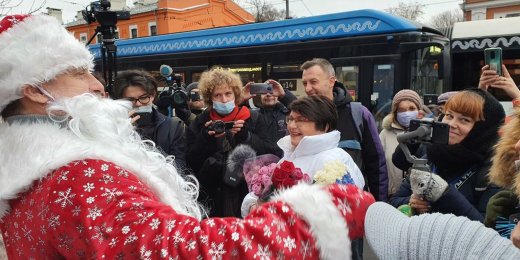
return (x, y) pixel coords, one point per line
(224, 108)
(404, 117)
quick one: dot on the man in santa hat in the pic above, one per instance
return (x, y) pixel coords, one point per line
(76, 181)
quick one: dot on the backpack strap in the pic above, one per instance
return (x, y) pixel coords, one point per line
(357, 115)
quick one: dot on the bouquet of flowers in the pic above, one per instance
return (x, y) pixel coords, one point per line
(285, 176)
(258, 172)
(333, 172)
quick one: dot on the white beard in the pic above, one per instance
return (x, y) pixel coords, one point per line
(98, 129)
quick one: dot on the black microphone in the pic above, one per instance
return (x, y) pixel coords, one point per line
(165, 70)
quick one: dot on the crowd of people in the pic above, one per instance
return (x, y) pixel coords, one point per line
(89, 174)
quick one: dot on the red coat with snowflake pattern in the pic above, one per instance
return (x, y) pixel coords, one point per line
(97, 210)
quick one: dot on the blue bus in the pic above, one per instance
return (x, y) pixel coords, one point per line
(375, 54)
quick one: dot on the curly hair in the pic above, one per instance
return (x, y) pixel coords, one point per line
(216, 78)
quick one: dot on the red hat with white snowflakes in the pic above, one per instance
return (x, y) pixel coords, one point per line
(35, 49)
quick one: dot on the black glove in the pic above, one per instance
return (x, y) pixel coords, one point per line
(501, 204)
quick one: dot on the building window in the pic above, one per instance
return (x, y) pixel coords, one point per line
(133, 31)
(83, 37)
(152, 28)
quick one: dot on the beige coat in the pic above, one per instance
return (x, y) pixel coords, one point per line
(388, 138)
(503, 171)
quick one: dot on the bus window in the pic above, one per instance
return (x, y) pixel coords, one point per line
(349, 77)
(424, 72)
(383, 90)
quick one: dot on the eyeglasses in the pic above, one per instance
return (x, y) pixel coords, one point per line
(299, 121)
(142, 99)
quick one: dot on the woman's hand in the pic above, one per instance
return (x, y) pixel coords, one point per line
(419, 204)
(515, 236)
(133, 118)
(490, 78)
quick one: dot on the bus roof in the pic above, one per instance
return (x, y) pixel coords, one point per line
(346, 24)
(475, 36)
(486, 28)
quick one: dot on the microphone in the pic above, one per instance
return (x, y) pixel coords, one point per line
(165, 70)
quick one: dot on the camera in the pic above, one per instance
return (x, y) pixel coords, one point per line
(194, 96)
(175, 95)
(261, 88)
(423, 131)
(437, 133)
(220, 126)
(98, 11)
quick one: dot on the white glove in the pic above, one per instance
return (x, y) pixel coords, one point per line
(249, 200)
(428, 184)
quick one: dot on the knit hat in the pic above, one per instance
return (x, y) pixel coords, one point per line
(407, 94)
(445, 96)
(392, 235)
(192, 86)
(34, 50)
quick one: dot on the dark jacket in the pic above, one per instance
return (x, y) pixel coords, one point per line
(168, 133)
(369, 156)
(207, 155)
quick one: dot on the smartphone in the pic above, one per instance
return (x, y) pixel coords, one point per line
(493, 58)
(260, 88)
(430, 99)
(145, 115)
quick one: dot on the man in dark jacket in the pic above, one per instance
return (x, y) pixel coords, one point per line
(140, 88)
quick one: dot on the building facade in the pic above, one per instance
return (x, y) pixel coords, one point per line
(149, 18)
(490, 9)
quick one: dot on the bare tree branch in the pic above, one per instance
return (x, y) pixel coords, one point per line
(7, 6)
(262, 11)
(446, 18)
(412, 11)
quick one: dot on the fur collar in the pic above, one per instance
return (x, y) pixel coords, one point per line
(28, 152)
(503, 171)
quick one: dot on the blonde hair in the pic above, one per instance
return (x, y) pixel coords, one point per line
(468, 103)
(216, 78)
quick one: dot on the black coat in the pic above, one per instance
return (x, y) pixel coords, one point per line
(168, 133)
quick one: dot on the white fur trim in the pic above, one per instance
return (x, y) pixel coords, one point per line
(35, 51)
(28, 153)
(326, 223)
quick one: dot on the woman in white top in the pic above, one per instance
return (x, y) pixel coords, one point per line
(312, 141)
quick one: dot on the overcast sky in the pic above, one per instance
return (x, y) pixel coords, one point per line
(300, 8)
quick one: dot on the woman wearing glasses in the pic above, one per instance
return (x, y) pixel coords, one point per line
(313, 139)
(140, 88)
(312, 142)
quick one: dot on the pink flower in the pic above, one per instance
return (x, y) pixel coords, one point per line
(257, 189)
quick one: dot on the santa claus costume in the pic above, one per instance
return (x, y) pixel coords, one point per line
(84, 185)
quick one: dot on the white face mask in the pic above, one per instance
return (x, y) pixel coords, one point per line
(404, 118)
